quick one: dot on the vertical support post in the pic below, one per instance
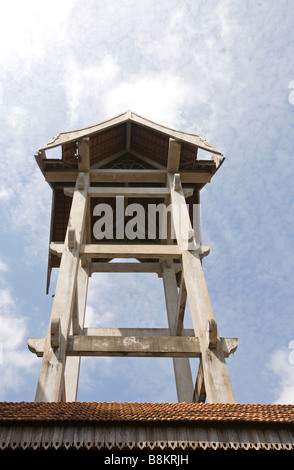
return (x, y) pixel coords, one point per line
(72, 365)
(51, 380)
(216, 377)
(182, 369)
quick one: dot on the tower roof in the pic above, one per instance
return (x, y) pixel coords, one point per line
(143, 142)
(129, 116)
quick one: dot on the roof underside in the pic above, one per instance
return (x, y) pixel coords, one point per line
(145, 426)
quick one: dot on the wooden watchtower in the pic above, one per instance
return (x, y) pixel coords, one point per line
(122, 161)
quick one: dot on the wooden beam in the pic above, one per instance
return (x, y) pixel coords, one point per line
(195, 177)
(174, 155)
(146, 176)
(183, 229)
(84, 155)
(128, 136)
(78, 314)
(72, 365)
(199, 395)
(133, 346)
(129, 192)
(181, 306)
(125, 176)
(61, 176)
(37, 345)
(182, 369)
(122, 250)
(133, 332)
(51, 380)
(216, 376)
(130, 251)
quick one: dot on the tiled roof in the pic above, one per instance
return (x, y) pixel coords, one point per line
(144, 412)
(145, 426)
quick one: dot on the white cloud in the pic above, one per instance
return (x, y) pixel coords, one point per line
(157, 96)
(85, 87)
(4, 193)
(122, 301)
(282, 365)
(29, 214)
(102, 90)
(26, 27)
(15, 363)
(3, 266)
(17, 118)
(165, 50)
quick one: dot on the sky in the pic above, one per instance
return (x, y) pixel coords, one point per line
(223, 69)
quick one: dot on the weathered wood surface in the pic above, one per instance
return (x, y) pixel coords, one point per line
(128, 192)
(51, 379)
(127, 176)
(217, 382)
(111, 342)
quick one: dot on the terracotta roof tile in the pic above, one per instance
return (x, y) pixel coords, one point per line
(143, 412)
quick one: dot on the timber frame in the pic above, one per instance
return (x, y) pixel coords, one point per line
(130, 158)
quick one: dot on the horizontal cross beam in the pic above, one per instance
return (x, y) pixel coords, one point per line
(120, 250)
(130, 192)
(125, 176)
(133, 332)
(132, 346)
